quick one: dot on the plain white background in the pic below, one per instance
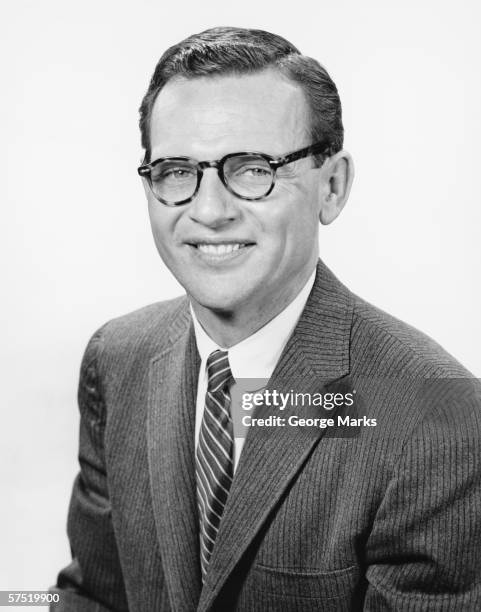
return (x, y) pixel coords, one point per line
(75, 239)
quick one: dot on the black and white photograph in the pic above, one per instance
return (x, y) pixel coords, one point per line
(241, 308)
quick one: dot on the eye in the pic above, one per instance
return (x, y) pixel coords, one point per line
(173, 173)
(177, 173)
(255, 171)
(249, 170)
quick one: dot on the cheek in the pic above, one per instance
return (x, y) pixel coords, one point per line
(291, 221)
(158, 231)
(163, 222)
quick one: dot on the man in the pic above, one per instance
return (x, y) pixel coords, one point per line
(175, 508)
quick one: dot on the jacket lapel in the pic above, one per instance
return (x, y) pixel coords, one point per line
(316, 354)
(170, 434)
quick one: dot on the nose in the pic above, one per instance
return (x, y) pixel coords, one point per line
(213, 206)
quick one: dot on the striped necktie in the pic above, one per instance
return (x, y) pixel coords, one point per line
(214, 457)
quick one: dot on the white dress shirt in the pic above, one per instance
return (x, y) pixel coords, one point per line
(253, 357)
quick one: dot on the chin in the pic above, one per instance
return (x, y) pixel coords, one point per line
(218, 305)
(217, 301)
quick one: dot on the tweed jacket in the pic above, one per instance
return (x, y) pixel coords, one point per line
(387, 519)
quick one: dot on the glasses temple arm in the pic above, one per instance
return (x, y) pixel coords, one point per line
(319, 147)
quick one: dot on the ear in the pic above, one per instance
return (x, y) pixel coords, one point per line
(146, 188)
(338, 175)
(144, 182)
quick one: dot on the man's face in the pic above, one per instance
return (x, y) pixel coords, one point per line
(271, 244)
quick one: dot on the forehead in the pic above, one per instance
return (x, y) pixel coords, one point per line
(212, 116)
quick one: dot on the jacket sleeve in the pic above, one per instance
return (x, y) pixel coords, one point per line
(93, 581)
(424, 551)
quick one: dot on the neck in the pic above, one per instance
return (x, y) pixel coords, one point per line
(227, 328)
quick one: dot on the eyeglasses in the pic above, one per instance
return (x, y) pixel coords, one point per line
(251, 176)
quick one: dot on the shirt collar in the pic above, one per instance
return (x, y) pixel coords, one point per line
(257, 355)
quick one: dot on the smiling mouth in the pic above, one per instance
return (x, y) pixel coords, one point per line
(220, 250)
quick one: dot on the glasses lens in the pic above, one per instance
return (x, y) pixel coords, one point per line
(174, 180)
(249, 176)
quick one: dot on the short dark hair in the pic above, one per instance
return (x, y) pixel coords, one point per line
(228, 51)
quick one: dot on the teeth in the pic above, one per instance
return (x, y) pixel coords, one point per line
(219, 249)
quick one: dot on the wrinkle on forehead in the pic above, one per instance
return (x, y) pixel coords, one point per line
(263, 111)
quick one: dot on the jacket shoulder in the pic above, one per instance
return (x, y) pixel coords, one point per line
(143, 333)
(382, 345)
